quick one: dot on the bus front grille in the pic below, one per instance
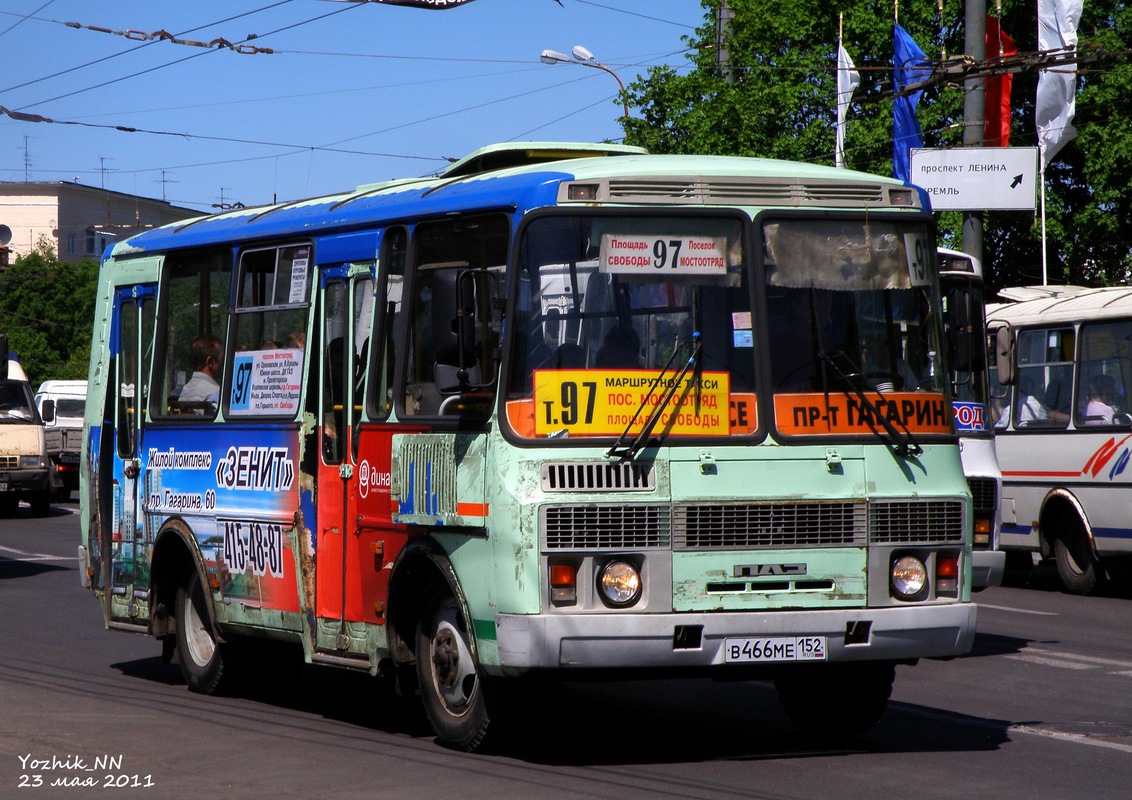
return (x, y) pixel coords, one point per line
(597, 477)
(605, 527)
(751, 525)
(984, 494)
(9, 462)
(916, 521)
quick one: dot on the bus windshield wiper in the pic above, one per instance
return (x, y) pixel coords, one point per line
(619, 449)
(902, 442)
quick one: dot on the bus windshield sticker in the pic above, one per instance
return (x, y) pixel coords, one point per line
(662, 255)
(919, 253)
(602, 402)
(809, 414)
(741, 332)
(299, 277)
(266, 382)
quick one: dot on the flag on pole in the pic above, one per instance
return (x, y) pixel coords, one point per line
(848, 79)
(1054, 106)
(912, 67)
(996, 111)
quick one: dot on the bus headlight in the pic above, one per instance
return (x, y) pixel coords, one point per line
(31, 462)
(620, 584)
(909, 577)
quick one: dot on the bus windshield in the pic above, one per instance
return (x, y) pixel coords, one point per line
(608, 312)
(852, 317)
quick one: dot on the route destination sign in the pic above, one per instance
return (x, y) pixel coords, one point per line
(978, 178)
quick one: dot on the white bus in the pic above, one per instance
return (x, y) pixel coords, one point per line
(964, 320)
(1063, 431)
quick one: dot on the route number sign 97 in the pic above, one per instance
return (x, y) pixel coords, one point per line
(662, 255)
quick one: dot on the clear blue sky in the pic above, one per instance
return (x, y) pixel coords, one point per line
(355, 92)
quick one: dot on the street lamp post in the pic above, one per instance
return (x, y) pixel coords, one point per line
(586, 59)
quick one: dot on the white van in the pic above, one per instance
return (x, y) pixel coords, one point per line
(61, 405)
(25, 469)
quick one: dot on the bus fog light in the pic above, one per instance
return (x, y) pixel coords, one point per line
(563, 584)
(620, 584)
(909, 577)
(946, 575)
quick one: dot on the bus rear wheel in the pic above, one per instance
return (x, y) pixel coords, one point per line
(202, 657)
(832, 702)
(451, 684)
(1076, 565)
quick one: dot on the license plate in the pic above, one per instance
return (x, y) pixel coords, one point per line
(779, 648)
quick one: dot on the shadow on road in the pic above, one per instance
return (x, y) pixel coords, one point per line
(21, 568)
(638, 722)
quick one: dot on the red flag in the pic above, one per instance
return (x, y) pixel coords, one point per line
(996, 113)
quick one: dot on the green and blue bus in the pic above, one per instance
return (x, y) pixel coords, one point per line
(561, 411)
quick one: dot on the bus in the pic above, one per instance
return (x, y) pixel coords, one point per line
(1063, 430)
(559, 412)
(964, 320)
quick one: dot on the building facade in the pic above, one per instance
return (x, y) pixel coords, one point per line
(77, 221)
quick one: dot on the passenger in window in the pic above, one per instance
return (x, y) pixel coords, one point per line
(1030, 408)
(206, 356)
(1099, 410)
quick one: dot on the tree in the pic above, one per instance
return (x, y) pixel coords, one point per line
(47, 310)
(774, 98)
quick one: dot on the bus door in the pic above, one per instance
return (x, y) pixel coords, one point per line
(126, 537)
(346, 302)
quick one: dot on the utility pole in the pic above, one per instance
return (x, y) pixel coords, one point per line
(974, 94)
(724, 18)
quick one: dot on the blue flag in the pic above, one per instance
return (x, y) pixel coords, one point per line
(911, 67)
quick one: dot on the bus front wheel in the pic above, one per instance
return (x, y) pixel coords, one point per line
(836, 701)
(451, 685)
(202, 658)
(1076, 565)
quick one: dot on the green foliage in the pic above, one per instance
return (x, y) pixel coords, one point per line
(776, 99)
(47, 309)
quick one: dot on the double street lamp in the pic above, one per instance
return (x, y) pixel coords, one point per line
(586, 59)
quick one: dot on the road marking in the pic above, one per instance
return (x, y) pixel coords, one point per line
(1018, 610)
(1052, 658)
(1048, 733)
(1048, 662)
(26, 556)
(1075, 738)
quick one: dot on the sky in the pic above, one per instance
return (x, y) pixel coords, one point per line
(353, 93)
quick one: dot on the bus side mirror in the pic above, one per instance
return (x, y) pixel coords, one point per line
(3, 357)
(964, 337)
(1004, 355)
(47, 411)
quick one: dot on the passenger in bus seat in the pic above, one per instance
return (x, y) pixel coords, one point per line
(1099, 411)
(1030, 408)
(621, 348)
(206, 357)
(1058, 397)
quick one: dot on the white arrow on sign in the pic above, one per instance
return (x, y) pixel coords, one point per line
(978, 178)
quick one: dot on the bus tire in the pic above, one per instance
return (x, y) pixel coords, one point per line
(202, 658)
(1077, 567)
(834, 702)
(451, 683)
(40, 503)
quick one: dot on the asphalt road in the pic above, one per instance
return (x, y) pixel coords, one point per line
(1041, 709)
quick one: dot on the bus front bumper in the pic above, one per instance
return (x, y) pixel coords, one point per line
(618, 640)
(987, 568)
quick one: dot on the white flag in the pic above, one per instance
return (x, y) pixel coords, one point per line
(847, 81)
(1054, 105)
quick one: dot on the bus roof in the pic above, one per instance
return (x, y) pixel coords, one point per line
(1071, 304)
(632, 177)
